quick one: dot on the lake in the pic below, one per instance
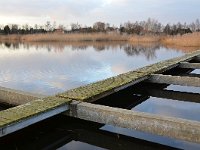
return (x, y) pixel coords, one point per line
(47, 69)
(50, 68)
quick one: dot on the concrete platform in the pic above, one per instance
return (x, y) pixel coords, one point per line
(19, 117)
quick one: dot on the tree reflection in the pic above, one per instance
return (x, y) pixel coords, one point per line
(131, 49)
(8, 45)
(148, 50)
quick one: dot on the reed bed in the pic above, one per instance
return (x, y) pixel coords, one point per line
(14, 37)
(75, 37)
(80, 37)
(187, 40)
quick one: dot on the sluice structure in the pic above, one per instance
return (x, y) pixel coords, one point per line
(83, 103)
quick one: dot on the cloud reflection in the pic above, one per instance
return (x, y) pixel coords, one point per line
(45, 68)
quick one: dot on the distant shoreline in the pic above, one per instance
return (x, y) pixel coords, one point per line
(187, 40)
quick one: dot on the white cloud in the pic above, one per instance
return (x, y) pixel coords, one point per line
(89, 11)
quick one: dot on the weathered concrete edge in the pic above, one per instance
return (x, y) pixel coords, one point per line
(94, 90)
(189, 65)
(16, 118)
(143, 73)
(168, 64)
(25, 122)
(176, 80)
(17, 97)
(176, 128)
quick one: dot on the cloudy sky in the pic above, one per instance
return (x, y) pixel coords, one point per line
(86, 12)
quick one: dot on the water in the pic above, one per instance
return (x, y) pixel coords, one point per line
(62, 132)
(179, 108)
(171, 108)
(51, 68)
(79, 145)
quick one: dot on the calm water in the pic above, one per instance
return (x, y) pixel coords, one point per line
(51, 68)
(173, 108)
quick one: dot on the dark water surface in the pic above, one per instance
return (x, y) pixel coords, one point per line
(49, 68)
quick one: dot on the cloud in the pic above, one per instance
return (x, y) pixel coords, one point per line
(89, 11)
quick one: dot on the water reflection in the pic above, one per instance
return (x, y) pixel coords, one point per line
(147, 49)
(61, 132)
(178, 144)
(48, 68)
(172, 108)
(196, 71)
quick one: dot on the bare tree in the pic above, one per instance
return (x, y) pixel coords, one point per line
(41, 27)
(192, 26)
(167, 29)
(36, 26)
(179, 25)
(48, 26)
(185, 25)
(197, 25)
(14, 28)
(99, 26)
(75, 26)
(7, 29)
(26, 27)
(54, 26)
(61, 26)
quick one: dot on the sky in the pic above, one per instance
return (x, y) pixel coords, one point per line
(86, 12)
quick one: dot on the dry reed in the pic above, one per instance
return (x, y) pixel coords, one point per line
(187, 40)
(76, 37)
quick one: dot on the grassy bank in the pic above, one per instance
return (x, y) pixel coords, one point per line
(187, 40)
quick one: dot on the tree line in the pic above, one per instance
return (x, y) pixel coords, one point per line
(150, 26)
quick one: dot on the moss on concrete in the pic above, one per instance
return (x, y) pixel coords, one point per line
(33, 108)
(85, 92)
(164, 65)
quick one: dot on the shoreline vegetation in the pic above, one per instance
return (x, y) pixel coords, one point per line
(186, 40)
(147, 31)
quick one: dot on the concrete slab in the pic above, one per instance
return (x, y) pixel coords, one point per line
(176, 80)
(16, 118)
(177, 128)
